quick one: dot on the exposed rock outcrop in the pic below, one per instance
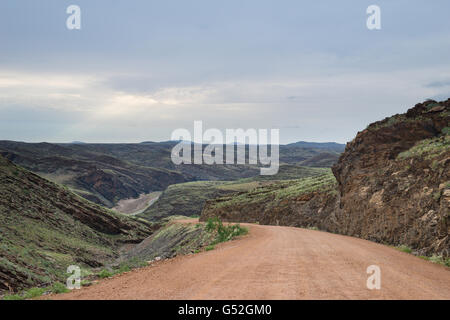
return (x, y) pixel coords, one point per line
(393, 177)
(393, 186)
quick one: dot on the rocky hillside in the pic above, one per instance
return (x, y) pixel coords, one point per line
(394, 180)
(44, 228)
(96, 176)
(188, 198)
(393, 186)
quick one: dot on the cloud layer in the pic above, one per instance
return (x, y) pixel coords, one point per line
(136, 73)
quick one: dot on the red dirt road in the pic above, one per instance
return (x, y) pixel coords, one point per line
(280, 263)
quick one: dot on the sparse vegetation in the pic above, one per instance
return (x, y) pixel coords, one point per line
(123, 267)
(34, 293)
(13, 297)
(404, 248)
(277, 192)
(224, 232)
(59, 288)
(440, 260)
(428, 148)
(188, 198)
(105, 274)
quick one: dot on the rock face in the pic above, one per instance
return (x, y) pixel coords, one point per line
(393, 186)
(389, 194)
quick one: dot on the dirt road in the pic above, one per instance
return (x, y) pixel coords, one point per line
(280, 263)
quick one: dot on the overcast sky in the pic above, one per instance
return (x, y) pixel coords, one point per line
(137, 70)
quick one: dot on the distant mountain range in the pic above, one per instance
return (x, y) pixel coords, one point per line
(320, 145)
(107, 173)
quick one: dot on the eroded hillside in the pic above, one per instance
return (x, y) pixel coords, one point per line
(44, 228)
(188, 199)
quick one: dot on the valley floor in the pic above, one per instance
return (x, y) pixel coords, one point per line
(280, 263)
(139, 205)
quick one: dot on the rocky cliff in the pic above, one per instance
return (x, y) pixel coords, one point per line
(394, 183)
(393, 187)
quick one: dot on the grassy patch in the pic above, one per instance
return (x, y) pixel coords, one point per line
(58, 287)
(188, 199)
(428, 148)
(404, 248)
(13, 297)
(437, 259)
(105, 274)
(440, 260)
(280, 191)
(28, 294)
(34, 293)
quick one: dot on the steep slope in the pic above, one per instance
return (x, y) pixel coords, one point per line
(394, 180)
(393, 186)
(44, 228)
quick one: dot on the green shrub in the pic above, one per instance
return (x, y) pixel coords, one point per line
(212, 224)
(123, 268)
(86, 283)
(34, 292)
(209, 248)
(404, 248)
(13, 297)
(105, 274)
(59, 288)
(224, 233)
